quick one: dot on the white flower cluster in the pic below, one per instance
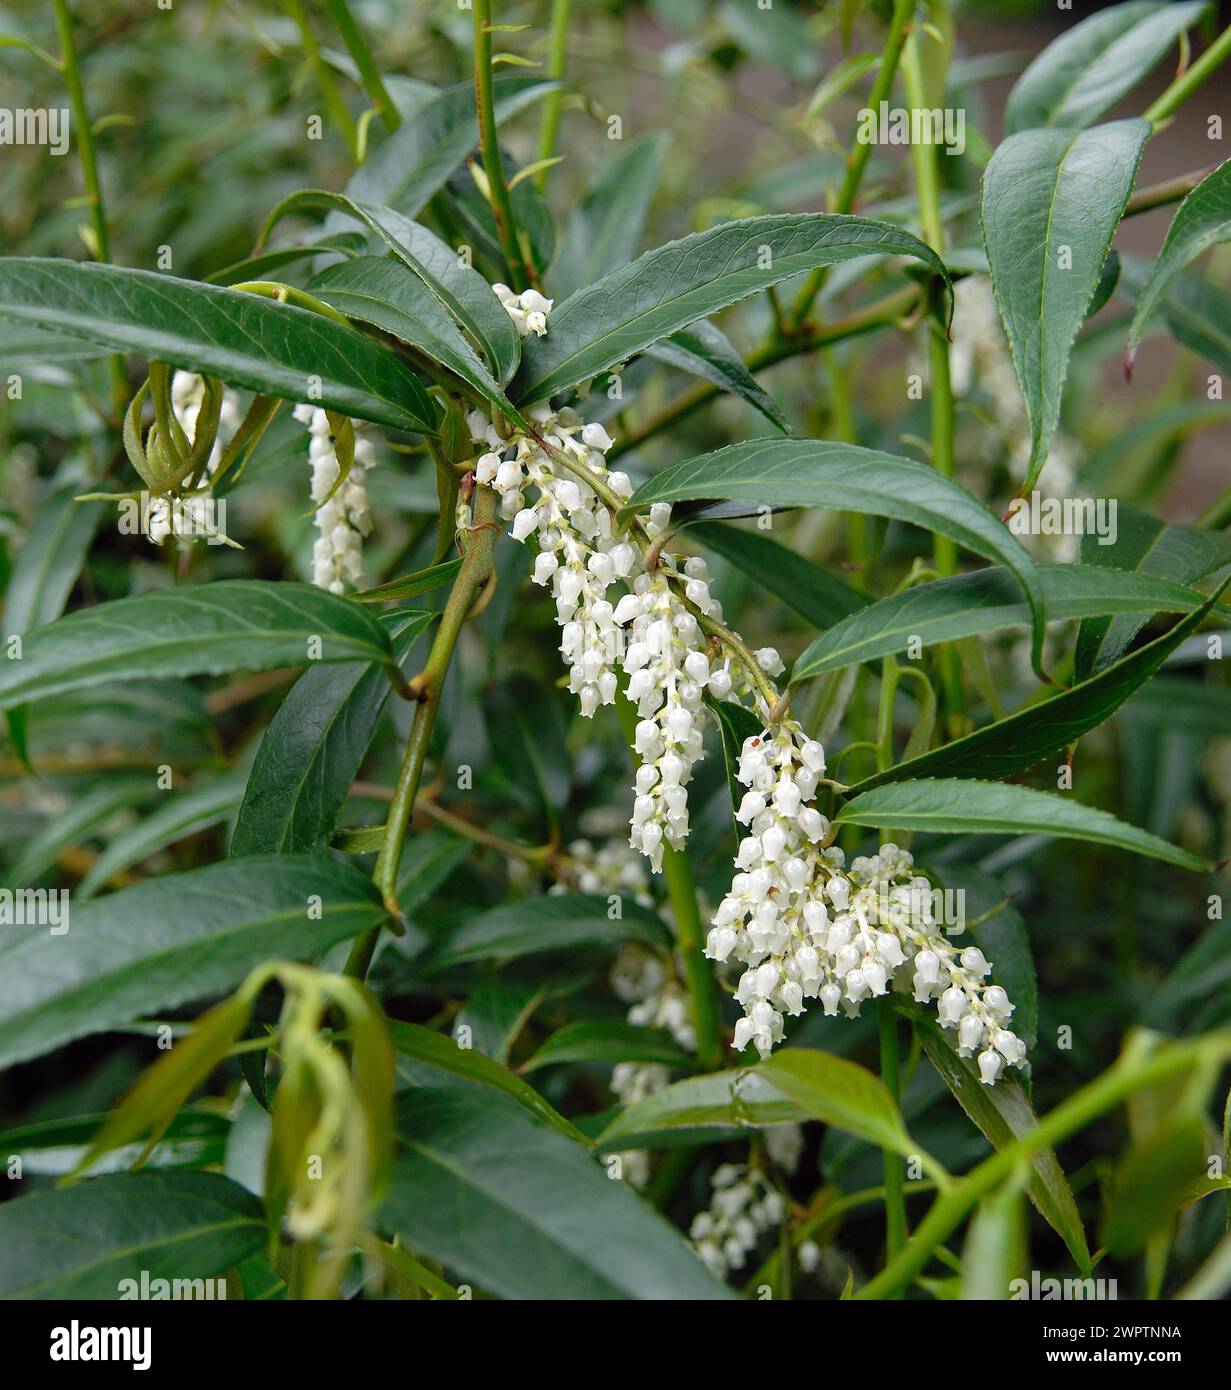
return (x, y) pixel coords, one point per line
(612, 869)
(192, 516)
(344, 520)
(528, 310)
(579, 556)
(807, 927)
(652, 633)
(743, 1208)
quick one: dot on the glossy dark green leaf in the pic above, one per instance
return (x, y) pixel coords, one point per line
(704, 350)
(821, 597)
(1032, 733)
(985, 601)
(411, 585)
(313, 748)
(529, 728)
(1202, 220)
(415, 162)
(1003, 1114)
(557, 922)
(1052, 200)
(955, 806)
(840, 1093)
(508, 1204)
(170, 941)
(441, 1053)
(683, 281)
(607, 1040)
(80, 1242)
(446, 276)
(694, 1108)
(229, 625)
(384, 293)
(606, 228)
(245, 339)
(817, 473)
(1085, 71)
(1144, 545)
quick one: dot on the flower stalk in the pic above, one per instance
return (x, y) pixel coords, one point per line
(427, 687)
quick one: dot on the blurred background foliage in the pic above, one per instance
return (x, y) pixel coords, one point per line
(202, 119)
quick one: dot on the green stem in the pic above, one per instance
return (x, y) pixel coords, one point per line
(857, 161)
(927, 185)
(1160, 195)
(682, 892)
(357, 47)
(883, 311)
(560, 11)
(334, 104)
(473, 575)
(489, 142)
(1124, 1077)
(1187, 83)
(70, 66)
(895, 1201)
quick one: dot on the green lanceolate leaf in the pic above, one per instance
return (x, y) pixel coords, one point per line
(414, 163)
(55, 1148)
(675, 285)
(553, 923)
(690, 1111)
(1084, 72)
(84, 1242)
(506, 1202)
(606, 227)
(839, 1093)
(313, 748)
(1052, 200)
(1202, 220)
(245, 339)
(607, 1040)
(177, 815)
(447, 277)
(955, 806)
(821, 597)
(49, 562)
(384, 293)
(985, 601)
(1144, 546)
(1032, 733)
(229, 625)
(1002, 1114)
(170, 941)
(411, 585)
(704, 350)
(845, 477)
(441, 1053)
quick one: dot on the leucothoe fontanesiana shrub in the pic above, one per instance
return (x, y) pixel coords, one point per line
(554, 679)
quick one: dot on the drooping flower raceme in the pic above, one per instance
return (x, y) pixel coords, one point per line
(806, 926)
(343, 519)
(743, 1207)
